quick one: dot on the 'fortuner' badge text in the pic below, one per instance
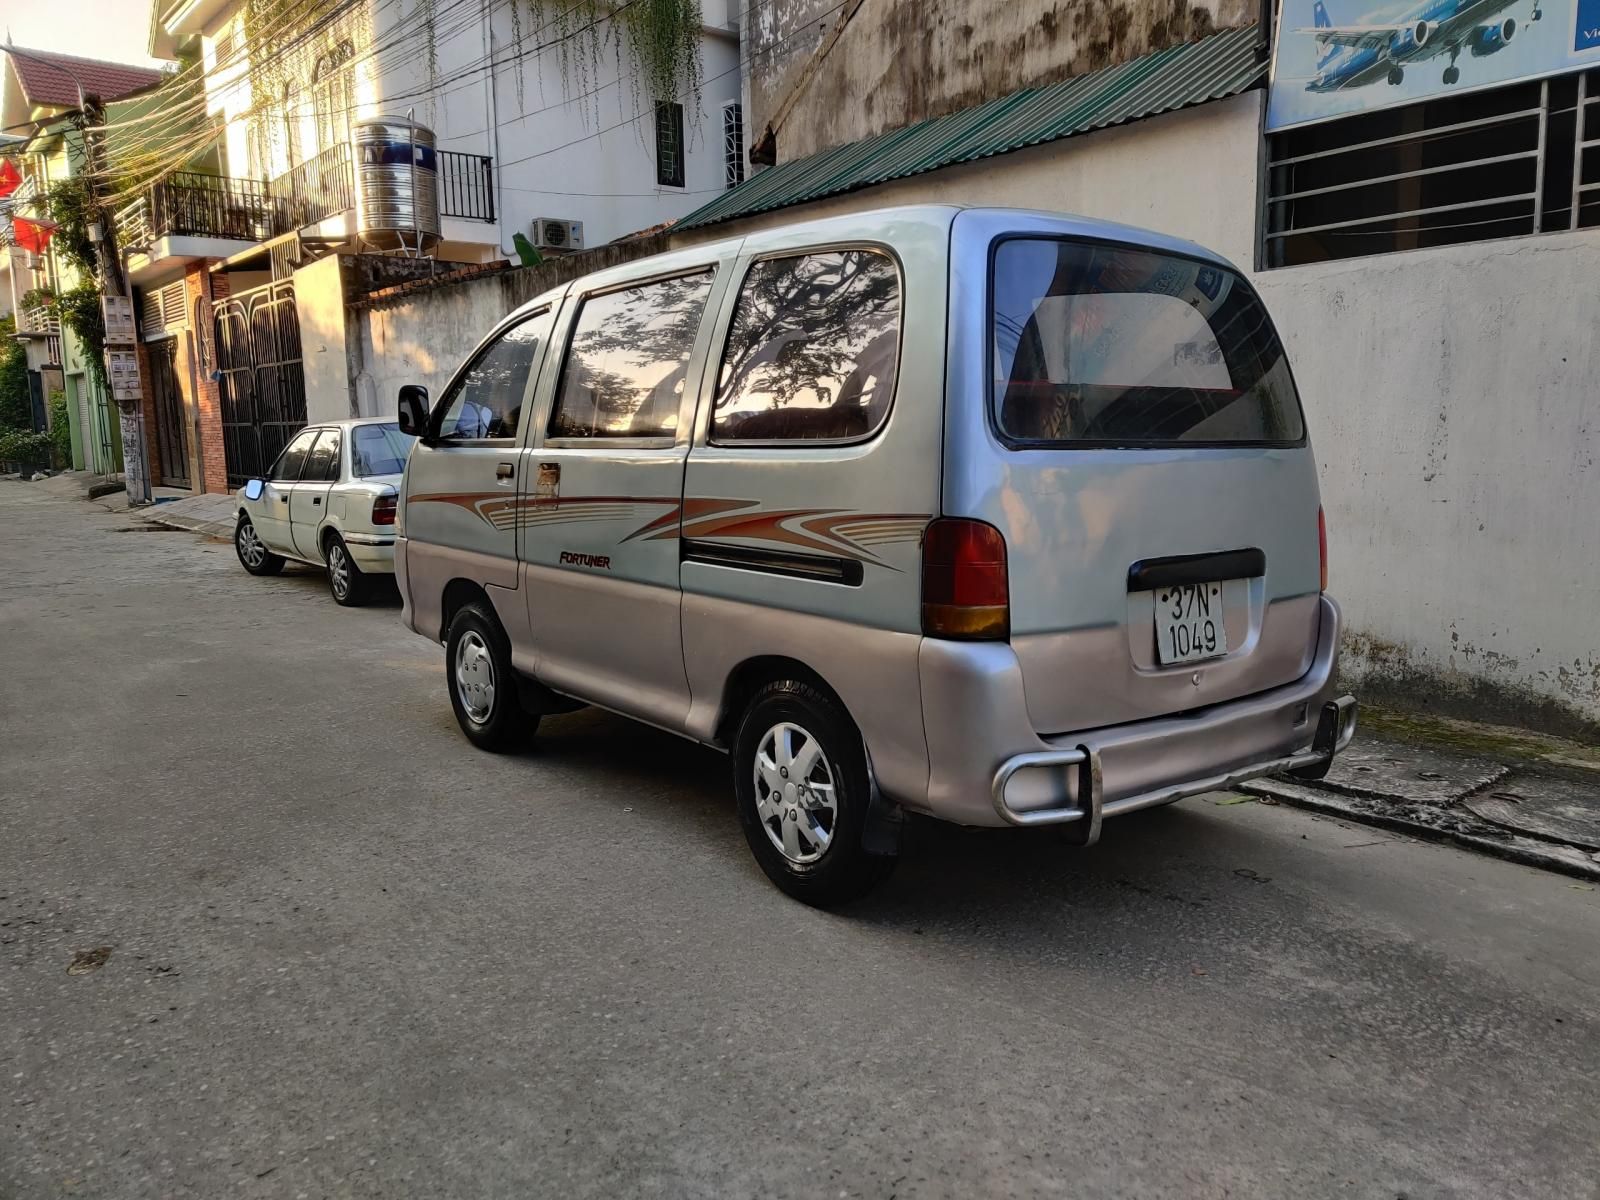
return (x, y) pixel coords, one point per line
(600, 562)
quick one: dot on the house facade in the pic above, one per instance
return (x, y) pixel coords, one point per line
(40, 97)
(545, 139)
(1430, 265)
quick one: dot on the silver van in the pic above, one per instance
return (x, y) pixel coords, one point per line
(1004, 517)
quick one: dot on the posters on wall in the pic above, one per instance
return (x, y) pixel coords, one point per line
(1336, 57)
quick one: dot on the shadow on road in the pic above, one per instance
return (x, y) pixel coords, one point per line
(1178, 860)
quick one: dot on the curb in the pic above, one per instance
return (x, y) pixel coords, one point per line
(1530, 852)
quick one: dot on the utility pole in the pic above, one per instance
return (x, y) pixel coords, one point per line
(102, 232)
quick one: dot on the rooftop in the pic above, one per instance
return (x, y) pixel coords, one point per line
(51, 79)
(1213, 68)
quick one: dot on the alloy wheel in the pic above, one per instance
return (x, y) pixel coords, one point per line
(796, 798)
(251, 548)
(339, 570)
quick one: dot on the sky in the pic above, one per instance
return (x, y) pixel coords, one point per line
(117, 30)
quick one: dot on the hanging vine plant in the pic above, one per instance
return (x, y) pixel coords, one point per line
(655, 44)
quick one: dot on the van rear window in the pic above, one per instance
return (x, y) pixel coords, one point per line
(1105, 345)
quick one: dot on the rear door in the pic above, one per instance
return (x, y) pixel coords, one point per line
(308, 505)
(277, 496)
(599, 541)
(1129, 422)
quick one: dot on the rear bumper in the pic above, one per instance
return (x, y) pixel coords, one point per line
(372, 552)
(987, 766)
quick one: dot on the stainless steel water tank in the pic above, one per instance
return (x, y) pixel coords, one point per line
(397, 184)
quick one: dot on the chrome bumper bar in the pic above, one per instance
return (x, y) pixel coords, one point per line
(1335, 727)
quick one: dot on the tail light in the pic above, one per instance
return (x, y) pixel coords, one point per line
(1322, 546)
(383, 508)
(965, 593)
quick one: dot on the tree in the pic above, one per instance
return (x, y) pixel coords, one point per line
(16, 404)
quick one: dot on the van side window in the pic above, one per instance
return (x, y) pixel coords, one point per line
(812, 350)
(629, 359)
(488, 401)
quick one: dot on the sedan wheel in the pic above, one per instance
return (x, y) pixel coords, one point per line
(345, 579)
(252, 551)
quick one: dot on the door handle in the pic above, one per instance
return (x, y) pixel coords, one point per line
(504, 471)
(316, 500)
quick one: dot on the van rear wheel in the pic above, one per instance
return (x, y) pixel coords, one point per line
(800, 776)
(483, 685)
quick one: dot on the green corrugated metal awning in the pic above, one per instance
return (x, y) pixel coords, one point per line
(1216, 67)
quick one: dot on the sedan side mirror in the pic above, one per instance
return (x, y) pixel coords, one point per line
(253, 489)
(414, 410)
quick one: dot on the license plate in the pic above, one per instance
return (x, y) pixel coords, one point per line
(1189, 623)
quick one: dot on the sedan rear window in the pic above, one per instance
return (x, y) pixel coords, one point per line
(1105, 345)
(379, 449)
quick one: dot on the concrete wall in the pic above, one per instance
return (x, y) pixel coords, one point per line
(319, 303)
(894, 63)
(1452, 400)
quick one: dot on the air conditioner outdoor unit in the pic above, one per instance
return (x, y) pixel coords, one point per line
(552, 233)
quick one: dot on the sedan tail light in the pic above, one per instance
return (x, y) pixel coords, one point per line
(383, 508)
(965, 592)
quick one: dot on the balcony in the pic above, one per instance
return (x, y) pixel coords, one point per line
(190, 205)
(38, 321)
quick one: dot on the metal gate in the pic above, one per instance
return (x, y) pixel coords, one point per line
(262, 386)
(170, 423)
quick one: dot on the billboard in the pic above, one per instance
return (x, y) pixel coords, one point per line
(1336, 57)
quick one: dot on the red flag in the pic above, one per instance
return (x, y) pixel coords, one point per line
(32, 236)
(10, 178)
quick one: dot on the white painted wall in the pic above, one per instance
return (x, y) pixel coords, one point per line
(1451, 396)
(319, 305)
(576, 144)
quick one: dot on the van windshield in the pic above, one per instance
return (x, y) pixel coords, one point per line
(1106, 345)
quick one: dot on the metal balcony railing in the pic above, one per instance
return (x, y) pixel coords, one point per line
(190, 204)
(318, 188)
(466, 185)
(38, 321)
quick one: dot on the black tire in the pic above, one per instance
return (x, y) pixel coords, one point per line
(256, 558)
(349, 585)
(843, 870)
(504, 725)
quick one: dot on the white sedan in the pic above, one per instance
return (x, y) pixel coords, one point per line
(328, 500)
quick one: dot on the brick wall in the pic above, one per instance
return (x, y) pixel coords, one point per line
(199, 284)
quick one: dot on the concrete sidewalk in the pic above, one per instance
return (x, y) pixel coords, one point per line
(1513, 793)
(213, 514)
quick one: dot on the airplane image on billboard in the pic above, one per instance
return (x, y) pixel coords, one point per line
(1357, 55)
(1334, 57)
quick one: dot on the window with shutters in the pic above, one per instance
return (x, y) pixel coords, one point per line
(669, 144)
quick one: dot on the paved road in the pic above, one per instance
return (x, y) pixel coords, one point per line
(354, 957)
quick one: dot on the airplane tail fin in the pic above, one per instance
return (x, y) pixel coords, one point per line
(1320, 17)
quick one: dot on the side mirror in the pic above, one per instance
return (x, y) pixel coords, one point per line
(414, 410)
(253, 489)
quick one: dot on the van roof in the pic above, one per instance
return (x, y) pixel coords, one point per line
(870, 224)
